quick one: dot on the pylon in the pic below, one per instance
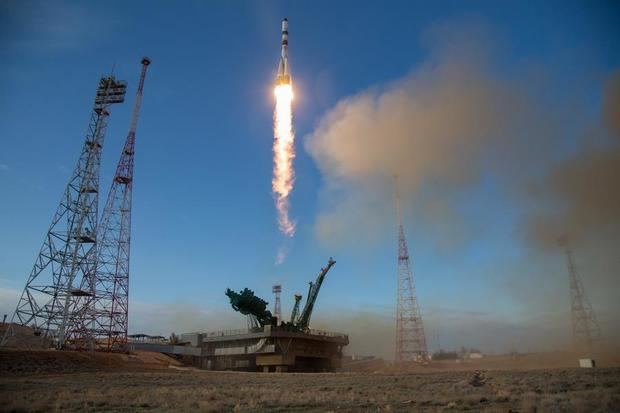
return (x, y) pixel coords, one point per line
(586, 330)
(277, 310)
(410, 338)
(108, 320)
(55, 299)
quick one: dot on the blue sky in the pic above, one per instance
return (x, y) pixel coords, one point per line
(203, 217)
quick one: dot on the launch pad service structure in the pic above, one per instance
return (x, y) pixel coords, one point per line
(76, 296)
(268, 344)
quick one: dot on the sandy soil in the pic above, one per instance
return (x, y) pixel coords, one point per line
(530, 361)
(42, 362)
(150, 382)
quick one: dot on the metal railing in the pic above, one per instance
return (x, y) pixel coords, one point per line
(224, 333)
(316, 332)
(242, 331)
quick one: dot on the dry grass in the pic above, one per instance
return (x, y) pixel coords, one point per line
(127, 388)
(20, 362)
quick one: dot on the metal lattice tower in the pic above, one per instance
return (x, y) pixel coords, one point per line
(295, 312)
(109, 317)
(56, 296)
(277, 310)
(586, 329)
(410, 338)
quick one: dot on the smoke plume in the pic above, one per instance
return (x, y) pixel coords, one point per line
(461, 130)
(458, 119)
(283, 155)
(579, 196)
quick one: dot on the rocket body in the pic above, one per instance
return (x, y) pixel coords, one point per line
(284, 75)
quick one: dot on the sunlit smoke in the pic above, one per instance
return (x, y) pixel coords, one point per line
(281, 254)
(283, 155)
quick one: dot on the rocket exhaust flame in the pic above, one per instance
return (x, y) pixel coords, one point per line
(283, 155)
(284, 140)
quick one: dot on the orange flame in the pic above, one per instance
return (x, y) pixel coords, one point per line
(283, 155)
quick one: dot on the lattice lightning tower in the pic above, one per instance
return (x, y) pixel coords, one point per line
(277, 310)
(586, 329)
(55, 299)
(410, 338)
(109, 319)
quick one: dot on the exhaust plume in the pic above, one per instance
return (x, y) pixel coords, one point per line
(579, 195)
(449, 126)
(283, 155)
(439, 128)
(483, 154)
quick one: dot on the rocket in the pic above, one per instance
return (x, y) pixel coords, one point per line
(284, 74)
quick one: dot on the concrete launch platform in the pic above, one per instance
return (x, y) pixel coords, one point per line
(268, 349)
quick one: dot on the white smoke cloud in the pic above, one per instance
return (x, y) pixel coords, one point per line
(460, 118)
(439, 128)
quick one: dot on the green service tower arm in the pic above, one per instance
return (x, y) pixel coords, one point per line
(295, 312)
(304, 317)
(249, 304)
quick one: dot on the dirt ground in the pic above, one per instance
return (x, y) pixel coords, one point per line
(66, 381)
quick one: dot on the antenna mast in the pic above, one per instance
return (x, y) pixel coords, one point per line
(410, 338)
(585, 326)
(277, 310)
(109, 319)
(61, 285)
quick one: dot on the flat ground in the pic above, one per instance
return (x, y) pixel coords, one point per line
(66, 381)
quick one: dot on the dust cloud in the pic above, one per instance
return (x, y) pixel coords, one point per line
(439, 129)
(457, 122)
(579, 196)
(462, 121)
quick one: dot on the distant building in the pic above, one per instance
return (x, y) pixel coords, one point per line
(358, 357)
(475, 355)
(445, 355)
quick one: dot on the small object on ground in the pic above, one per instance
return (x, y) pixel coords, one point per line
(477, 379)
(587, 363)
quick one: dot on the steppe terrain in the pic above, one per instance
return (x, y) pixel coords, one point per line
(76, 382)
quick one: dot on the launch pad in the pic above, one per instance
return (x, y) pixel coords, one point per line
(264, 349)
(268, 344)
